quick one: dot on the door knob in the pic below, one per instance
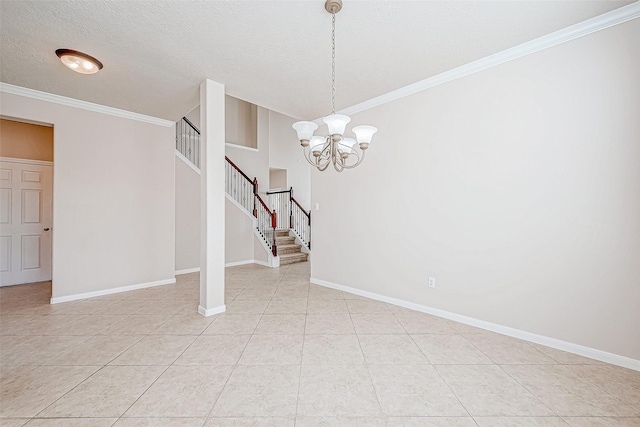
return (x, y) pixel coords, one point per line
(46, 229)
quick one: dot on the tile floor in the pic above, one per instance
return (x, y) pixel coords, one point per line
(286, 353)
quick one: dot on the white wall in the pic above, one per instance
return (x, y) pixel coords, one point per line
(187, 187)
(285, 152)
(113, 207)
(518, 188)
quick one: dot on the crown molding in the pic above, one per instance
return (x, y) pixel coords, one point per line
(581, 29)
(84, 105)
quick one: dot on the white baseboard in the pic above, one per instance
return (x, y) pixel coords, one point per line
(187, 271)
(56, 300)
(265, 263)
(580, 350)
(210, 312)
(233, 264)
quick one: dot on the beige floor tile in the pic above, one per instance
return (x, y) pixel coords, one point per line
(263, 293)
(127, 306)
(505, 350)
(622, 383)
(26, 391)
(566, 393)
(167, 306)
(351, 296)
(520, 422)
(281, 324)
(366, 306)
(13, 422)
(44, 325)
(332, 350)
(467, 329)
(214, 350)
(71, 422)
(391, 349)
(291, 292)
(329, 324)
(321, 292)
(98, 350)
(563, 357)
(259, 391)
(160, 422)
(287, 306)
(431, 422)
(486, 390)
(443, 349)
(342, 391)
(421, 323)
(340, 422)
(414, 390)
(182, 391)
(602, 422)
(251, 422)
(137, 324)
(273, 350)
(376, 323)
(155, 350)
(233, 324)
(40, 350)
(247, 306)
(108, 393)
(189, 324)
(325, 306)
(9, 342)
(90, 307)
(89, 325)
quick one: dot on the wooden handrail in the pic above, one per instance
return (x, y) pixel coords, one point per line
(264, 205)
(191, 124)
(308, 214)
(238, 169)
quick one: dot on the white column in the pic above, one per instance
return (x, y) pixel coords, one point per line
(212, 200)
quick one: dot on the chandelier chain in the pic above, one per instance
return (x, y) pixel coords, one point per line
(333, 63)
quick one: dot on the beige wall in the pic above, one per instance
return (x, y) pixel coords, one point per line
(113, 197)
(285, 152)
(278, 179)
(241, 120)
(187, 216)
(238, 234)
(518, 188)
(26, 141)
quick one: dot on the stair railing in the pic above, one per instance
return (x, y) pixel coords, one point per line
(245, 191)
(266, 224)
(280, 202)
(291, 214)
(188, 141)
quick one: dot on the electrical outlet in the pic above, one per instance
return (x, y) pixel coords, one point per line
(432, 282)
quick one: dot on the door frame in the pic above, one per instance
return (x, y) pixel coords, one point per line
(36, 163)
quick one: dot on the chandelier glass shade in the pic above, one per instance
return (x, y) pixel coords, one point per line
(334, 148)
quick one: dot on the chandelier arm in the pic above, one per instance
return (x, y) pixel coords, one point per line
(360, 159)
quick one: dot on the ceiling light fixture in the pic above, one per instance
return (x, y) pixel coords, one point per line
(334, 148)
(78, 61)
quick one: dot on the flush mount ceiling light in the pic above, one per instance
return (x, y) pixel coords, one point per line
(334, 148)
(78, 61)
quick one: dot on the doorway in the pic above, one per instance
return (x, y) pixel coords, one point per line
(26, 200)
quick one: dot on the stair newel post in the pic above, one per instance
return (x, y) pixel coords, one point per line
(309, 230)
(255, 192)
(290, 207)
(274, 224)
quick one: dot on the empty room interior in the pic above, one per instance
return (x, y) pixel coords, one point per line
(307, 213)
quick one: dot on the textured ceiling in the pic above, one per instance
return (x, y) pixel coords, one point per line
(273, 53)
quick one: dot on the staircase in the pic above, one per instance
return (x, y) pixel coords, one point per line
(277, 224)
(288, 251)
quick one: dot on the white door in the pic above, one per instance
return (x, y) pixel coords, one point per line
(25, 223)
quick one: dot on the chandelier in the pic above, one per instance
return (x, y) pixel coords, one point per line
(334, 148)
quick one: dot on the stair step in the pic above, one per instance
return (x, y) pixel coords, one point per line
(288, 249)
(285, 240)
(293, 258)
(282, 233)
